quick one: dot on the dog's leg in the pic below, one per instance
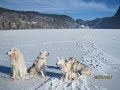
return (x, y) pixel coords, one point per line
(42, 73)
(13, 75)
(44, 69)
(66, 77)
(70, 78)
(20, 74)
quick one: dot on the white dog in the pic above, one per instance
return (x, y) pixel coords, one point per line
(80, 68)
(66, 69)
(39, 64)
(18, 67)
(71, 75)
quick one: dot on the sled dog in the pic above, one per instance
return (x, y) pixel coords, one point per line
(38, 65)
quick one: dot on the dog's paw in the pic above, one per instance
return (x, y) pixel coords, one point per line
(13, 77)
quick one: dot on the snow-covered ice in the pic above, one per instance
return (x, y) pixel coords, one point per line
(99, 49)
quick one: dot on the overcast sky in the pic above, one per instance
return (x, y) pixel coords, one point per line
(77, 9)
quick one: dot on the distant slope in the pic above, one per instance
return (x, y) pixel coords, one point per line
(103, 23)
(118, 12)
(12, 19)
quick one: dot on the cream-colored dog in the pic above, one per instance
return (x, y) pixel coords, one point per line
(39, 64)
(65, 68)
(18, 67)
(71, 75)
(80, 68)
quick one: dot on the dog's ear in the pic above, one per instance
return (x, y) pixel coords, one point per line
(15, 51)
(15, 54)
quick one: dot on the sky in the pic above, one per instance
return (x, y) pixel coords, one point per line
(77, 9)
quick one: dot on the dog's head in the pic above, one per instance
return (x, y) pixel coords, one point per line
(61, 61)
(44, 54)
(72, 60)
(14, 53)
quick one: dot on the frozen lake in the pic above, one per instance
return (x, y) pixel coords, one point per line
(90, 46)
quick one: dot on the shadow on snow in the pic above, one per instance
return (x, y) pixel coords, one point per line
(53, 74)
(4, 69)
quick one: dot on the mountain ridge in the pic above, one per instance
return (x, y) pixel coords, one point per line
(14, 19)
(117, 14)
(112, 22)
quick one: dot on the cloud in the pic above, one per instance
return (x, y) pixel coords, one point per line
(92, 5)
(63, 4)
(68, 7)
(81, 4)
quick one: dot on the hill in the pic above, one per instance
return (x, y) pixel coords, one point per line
(13, 19)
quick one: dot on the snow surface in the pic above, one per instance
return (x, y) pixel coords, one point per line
(99, 49)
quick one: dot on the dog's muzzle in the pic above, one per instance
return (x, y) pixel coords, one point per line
(7, 53)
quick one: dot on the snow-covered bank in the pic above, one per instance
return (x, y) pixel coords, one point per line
(98, 49)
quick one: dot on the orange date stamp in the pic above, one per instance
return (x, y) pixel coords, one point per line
(102, 77)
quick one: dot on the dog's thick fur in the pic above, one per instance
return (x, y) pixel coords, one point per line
(71, 75)
(39, 64)
(66, 69)
(80, 68)
(18, 67)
